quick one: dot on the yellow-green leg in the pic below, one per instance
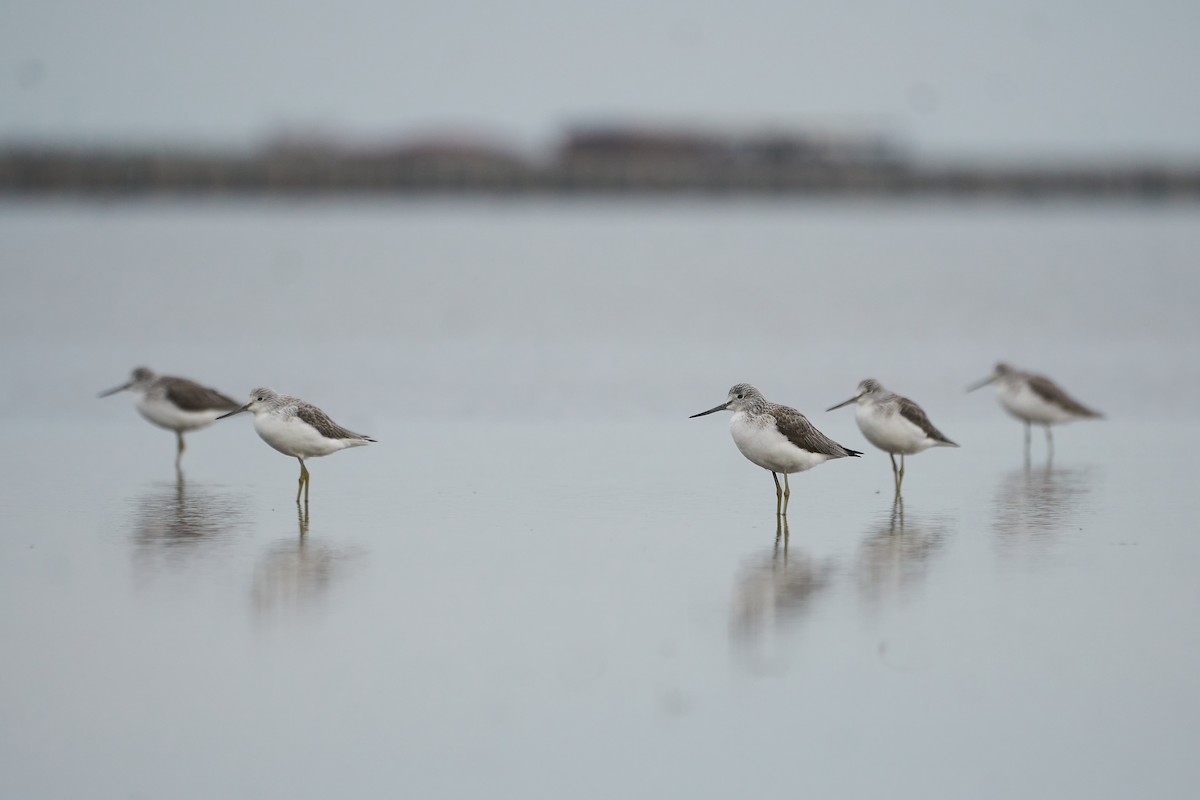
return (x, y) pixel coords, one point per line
(179, 449)
(778, 495)
(303, 482)
(787, 493)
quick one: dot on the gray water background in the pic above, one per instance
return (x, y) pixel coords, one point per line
(546, 581)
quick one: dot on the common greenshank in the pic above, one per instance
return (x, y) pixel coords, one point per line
(1034, 399)
(298, 429)
(176, 404)
(776, 438)
(894, 424)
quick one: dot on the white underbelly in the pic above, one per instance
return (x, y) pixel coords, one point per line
(765, 446)
(892, 433)
(1026, 404)
(167, 415)
(292, 437)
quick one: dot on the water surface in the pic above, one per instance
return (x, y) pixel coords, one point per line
(545, 580)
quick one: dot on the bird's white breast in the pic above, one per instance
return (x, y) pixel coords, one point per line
(166, 414)
(890, 431)
(293, 437)
(762, 443)
(1025, 404)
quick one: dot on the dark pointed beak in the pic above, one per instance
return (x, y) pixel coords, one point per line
(981, 384)
(235, 411)
(724, 406)
(114, 390)
(843, 403)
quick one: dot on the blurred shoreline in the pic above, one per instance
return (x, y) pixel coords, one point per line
(605, 161)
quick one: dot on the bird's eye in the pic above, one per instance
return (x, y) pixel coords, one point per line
(740, 397)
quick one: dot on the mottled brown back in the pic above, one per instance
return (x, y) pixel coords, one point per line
(917, 416)
(191, 396)
(802, 433)
(1049, 391)
(324, 425)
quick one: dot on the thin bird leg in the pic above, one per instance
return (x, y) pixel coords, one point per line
(778, 495)
(901, 481)
(895, 473)
(1028, 435)
(1049, 444)
(787, 493)
(179, 451)
(303, 487)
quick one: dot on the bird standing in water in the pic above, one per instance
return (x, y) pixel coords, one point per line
(1034, 399)
(298, 429)
(894, 424)
(776, 438)
(176, 404)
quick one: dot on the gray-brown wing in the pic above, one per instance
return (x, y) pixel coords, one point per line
(1048, 390)
(917, 416)
(191, 396)
(324, 425)
(800, 432)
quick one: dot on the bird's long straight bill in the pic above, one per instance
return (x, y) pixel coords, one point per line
(981, 383)
(712, 410)
(235, 411)
(843, 403)
(115, 389)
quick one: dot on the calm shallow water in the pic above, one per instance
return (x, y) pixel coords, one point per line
(545, 580)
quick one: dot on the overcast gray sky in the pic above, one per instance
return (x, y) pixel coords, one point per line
(1009, 79)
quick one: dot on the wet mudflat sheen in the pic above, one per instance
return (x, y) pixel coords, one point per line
(544, 580)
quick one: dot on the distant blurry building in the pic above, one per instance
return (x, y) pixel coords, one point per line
(631, 158)
(605, 143)
(779, 148)
(784, 148)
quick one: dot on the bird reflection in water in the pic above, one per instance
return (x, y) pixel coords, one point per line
(773, 593)
(175, 522)
(296, 572)
(1034, 505)
(896, 554)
